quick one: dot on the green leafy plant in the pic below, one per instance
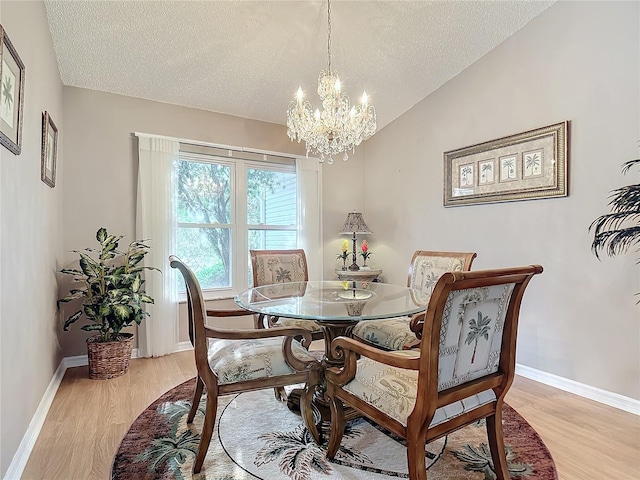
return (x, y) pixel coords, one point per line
(112, 289)
(616, 232)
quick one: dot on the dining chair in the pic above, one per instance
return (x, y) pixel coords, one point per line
(282, 266)
(460, 375)
(425, 269)
(233, 361)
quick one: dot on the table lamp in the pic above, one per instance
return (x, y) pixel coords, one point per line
(353, 225)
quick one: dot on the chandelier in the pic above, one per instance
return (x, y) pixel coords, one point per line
(339, 126)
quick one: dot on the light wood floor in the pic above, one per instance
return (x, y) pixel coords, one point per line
(88, 419)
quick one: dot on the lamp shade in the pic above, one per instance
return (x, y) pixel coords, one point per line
(355, 224)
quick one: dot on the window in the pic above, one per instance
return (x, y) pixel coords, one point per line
(226, 207)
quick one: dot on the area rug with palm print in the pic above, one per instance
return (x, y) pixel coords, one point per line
(256, 436)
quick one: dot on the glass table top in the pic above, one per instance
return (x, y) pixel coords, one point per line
(331, 300)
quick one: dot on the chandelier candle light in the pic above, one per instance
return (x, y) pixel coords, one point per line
(355, 224)
(339, 126)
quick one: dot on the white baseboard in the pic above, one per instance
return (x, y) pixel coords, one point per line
(19, 461)
(183, 346)
(592, 393)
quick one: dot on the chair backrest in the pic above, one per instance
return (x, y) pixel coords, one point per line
(198, 313)
(469, 334)
(278, 266)
(427, 267)
(196, 309)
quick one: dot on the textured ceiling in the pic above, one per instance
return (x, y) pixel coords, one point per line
(247, 58)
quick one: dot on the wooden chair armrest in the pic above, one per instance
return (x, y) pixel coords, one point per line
(416, 323)
(232, 312)
(388, 358)
(350, 349)
(227, 308)
(229, 334)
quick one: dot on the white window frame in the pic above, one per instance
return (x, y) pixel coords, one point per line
(239, 226)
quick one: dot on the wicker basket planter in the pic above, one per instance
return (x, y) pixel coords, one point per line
(109, 359)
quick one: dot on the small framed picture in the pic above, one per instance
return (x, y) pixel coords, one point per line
(487, 171)
(466, 175)
(532, 163)
(508, 168)
(49, 150)
(11, 95)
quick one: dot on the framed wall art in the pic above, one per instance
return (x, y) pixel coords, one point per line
(49, 150)
(524, 166)
(11, 95)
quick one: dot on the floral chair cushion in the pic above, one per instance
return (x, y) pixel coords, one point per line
(427, 270)
(425, 273)
(292, 322)
(393, 391)
(241, 360)
(391, 333)
(280, 268)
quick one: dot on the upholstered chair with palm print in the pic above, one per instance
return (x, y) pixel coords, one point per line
(425, 269)
(282, 266)
(460, 374)
(233, 361)
(272, 267)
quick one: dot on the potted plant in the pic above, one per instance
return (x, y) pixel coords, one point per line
(113, 297)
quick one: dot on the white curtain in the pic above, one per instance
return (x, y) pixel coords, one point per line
(156, 223)
(309, 178)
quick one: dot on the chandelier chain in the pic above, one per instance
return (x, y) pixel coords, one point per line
(329, 33)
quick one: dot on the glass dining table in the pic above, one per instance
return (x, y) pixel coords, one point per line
(336, 306)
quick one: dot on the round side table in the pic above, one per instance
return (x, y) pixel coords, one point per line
(358, 275)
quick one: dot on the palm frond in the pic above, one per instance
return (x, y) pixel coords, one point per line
(625, 198)
(627, 165)
(616, 242)
(613, 221)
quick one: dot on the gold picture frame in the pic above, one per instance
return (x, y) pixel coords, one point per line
(11, 95)
(524, 166)
(49, 154)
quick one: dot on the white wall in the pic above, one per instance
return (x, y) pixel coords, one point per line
(31, 242)
(577, 61)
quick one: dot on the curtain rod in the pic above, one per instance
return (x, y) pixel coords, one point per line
(219, 145)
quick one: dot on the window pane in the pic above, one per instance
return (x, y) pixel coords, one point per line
(271, 197)
(207, 251)
(204, 192)
(272, 239)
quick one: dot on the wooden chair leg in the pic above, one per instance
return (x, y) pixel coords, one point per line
(415, 457)
(337, 426)
(496, 445)
(207, 430)
(195, 403)
(280, 394)
(306, 412)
